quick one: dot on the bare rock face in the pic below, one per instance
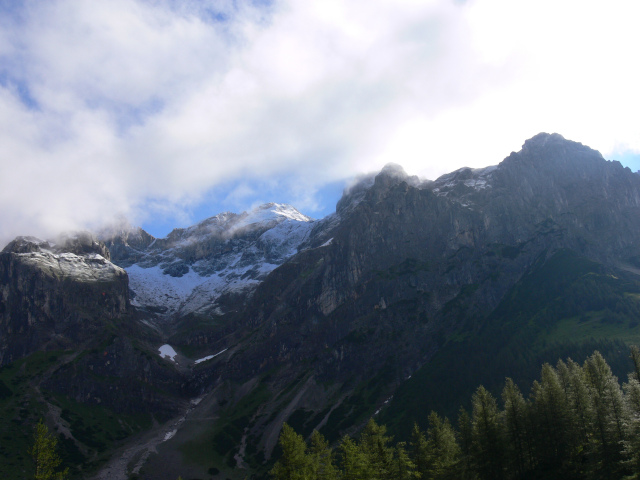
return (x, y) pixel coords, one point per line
(410, 262)
(55, 295)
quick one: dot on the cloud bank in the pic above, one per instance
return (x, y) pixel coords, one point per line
(135, 108)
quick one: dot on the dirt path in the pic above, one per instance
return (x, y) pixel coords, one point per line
(130, 458)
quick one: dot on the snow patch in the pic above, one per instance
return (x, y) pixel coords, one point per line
(327, 243)
(167, 350)
(170, 435)
(199, 288)
(90, 267)
(209, 357)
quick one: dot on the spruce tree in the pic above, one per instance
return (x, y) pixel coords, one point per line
(552, 417)
(45, 454)
(487, 435)
(610, 413)
(466, 466)
(375, 445)
(632, 442)
(518, 438)
(295, 463)
(354, 464)
(443, 452)
(322, 457)
(403, 467)
(420, 451)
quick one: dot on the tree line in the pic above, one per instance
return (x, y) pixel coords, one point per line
(578, 423)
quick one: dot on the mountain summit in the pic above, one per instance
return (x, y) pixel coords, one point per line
(225, 255)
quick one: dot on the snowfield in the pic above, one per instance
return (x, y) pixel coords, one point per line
(234, 269)
(167, 351)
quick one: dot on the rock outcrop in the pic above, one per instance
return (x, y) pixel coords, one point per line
(56, 295)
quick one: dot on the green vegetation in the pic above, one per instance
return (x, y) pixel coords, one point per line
(565, 305)
(45, 455)
(217, 446)
(20, 411)
(96, 430)
(577, 423)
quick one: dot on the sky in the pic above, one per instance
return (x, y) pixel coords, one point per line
(162, 113)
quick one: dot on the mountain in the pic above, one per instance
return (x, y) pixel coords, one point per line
(405, 299)
(53, 293)
(191, 269)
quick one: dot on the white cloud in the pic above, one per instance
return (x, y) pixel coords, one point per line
(126, 107)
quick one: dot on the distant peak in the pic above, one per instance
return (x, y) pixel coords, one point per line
(26, 244)
(391, 174)
(394, 170)
(543, 138)
(280, 210)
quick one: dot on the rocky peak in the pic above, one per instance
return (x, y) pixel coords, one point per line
(228, 253)
(553, 151)
(26, 245)
(81, 243)
(391, 174)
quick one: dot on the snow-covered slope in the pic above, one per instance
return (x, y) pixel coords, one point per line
(190, 269)
(79, 257)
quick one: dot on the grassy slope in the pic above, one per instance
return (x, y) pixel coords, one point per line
(566, 306)
(23, 402)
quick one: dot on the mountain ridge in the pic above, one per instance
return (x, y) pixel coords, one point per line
(340, 312)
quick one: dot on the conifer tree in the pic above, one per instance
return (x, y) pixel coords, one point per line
(443, 452)
(295, 463)
(466, 466)
(45, 455)
(551, 415)
(518, 438)
(632, 442)
(419, 451)
(487, 435)
(610, 412)
(375, 445)
(403, 467)
(354, 464)
(322, 457)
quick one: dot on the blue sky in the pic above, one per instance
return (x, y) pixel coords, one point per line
(164, 112)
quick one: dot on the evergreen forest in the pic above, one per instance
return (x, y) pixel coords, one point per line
(577, 422)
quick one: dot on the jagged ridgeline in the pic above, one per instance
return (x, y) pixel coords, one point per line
(578, 422)
(185, 355)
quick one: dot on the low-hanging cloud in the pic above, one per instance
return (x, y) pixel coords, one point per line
(128, 108)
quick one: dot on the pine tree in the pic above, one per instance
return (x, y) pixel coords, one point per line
(295, 463)
(466, 466)
(354, 464)
(551, 415)
(581, 416)
(610, 413)
(632, 442)
(374, 444)
(45, 455)
(443, 452)
(487, 434)
(403, 467)
(322, 457)
(419, 451)
(518, 438)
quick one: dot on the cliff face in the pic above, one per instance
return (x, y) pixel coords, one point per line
(56, 295)
(408, 263)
